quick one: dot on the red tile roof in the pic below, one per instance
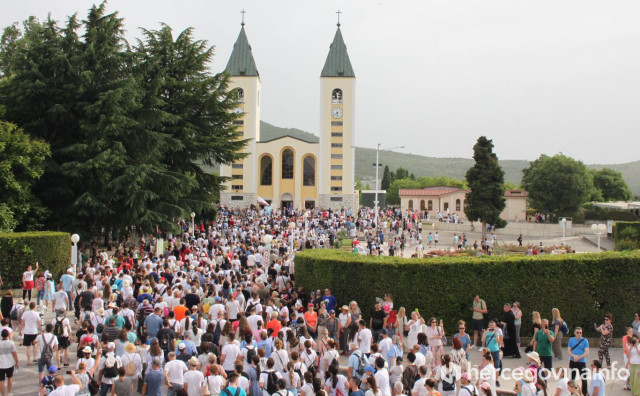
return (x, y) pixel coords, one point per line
(515, 193)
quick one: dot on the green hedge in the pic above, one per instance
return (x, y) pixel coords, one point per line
(582, 286)
(616, 215)
(52, 250)
(626, 235)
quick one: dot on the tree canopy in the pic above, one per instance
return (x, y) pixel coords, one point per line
(610, 185)
(558, 184)
(485, 178)
(132, 129)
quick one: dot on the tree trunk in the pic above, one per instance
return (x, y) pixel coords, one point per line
(484, 230)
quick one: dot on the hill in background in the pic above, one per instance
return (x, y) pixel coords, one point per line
(421, 165)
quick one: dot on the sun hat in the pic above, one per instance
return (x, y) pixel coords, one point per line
(86, 349)
(111, 345)
(182, 345)
(465, 376)
(485, 386)
(534, 356)
(130, 348)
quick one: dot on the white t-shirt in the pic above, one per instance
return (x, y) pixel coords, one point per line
(175, 370)
(264, 377)
(230, 352)
(194, 381)
(28, 276)
(215, 383)
(233, 307)
(65, 390)
(384, 346)
(419, 387)
(365, 337)
(382, 379)
(253, 322)
(6, 354)
(31, 319)
(488, 374)
(562, 385)
(61, 300)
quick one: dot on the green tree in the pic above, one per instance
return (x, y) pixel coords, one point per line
(387, 178)
(558, 184)
(401, 173)
(610, 184)
(21, 165)
(132, 130)
(485, 178)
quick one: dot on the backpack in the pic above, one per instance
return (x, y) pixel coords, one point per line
(362, 363)
(247, 311)
(409, 376)
(272, 380)
(13, 315)
(48, 384)
(472, 392)
(47, 350)
(564, 328)
(58, 330)
(251, 352)
(110, 368)
(87, 316)
(130, 368)
(449, 382)
(165, 341)
(313, 366)
(216, 333)
(100, 326)
(127, 320)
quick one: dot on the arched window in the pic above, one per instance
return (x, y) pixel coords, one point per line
(309, 171)
(336, 96)
(266, 171)
(240, 95)
(422, 206)
(287, 164)
(457, 205)
(410, 204)
(430, 205)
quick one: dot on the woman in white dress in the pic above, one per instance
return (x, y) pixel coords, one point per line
(414, 327)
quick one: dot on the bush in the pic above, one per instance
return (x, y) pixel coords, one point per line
(583, 286)
(52, 250)
(625, 234)
(616, 215)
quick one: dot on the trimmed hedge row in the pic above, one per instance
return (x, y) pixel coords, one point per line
(583, 287)
(626, 235)
(52, 250)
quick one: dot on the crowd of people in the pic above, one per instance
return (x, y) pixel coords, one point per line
(218, 312)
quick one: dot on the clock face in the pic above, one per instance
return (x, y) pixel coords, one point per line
(336, 112)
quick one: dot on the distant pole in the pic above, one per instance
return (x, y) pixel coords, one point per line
(564, 231)
(375, 202)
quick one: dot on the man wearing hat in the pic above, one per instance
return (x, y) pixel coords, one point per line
(465, 384)
(106, 383)
(47, 382)
(344, 321)
(194, 379)
(132, 363)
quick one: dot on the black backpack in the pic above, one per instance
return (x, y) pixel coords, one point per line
(216, 333)
(272, 379)
(58, 330)
(251, 352)
(449, 382)
(165, 341)
(110, 372)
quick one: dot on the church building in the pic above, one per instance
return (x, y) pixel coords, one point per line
(287, 171)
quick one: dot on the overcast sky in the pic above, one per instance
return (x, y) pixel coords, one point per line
(535, 76)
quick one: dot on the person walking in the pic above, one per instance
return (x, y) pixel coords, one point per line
(28, 282)
(8, 362)
(557, 324)
(479, 308)
(30, 327)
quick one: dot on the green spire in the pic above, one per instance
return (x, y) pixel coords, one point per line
(241, 62)
(337, 63)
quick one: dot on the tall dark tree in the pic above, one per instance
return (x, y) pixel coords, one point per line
(401, 173)
(558, 184)
(485, 178)
(386, 178)
(131, 130)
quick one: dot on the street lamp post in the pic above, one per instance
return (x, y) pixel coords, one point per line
(193, 227)
(75, 238)
(599, 229)
(564, 231)
(377, 165)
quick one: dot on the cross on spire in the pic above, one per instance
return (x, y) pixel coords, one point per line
(339, 12)
(243, 12)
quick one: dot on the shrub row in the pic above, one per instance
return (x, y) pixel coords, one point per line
(616, 215)
(582, 286)
(52, 250)
(626, 235)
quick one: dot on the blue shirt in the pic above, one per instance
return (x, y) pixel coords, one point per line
(268, 348)
(67, 281)
(357, 393)
(578, 347)
(330, 302)
(354, 362)
(154, 380)
(232, 391)
(492, 341)
(190, 347)
(394, 352)
(465, 341)
(597, 380)
(153, 324)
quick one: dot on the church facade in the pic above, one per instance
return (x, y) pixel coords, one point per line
(287, 171)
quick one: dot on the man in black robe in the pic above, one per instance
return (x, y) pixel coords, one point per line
(509, 329)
